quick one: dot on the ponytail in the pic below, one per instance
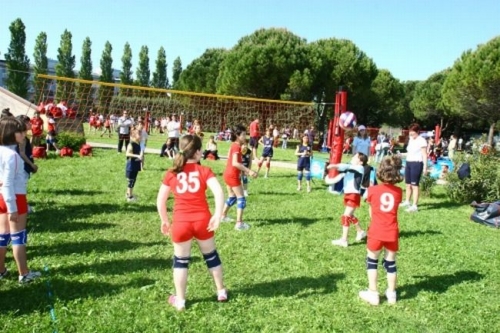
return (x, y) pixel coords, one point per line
(188, 146)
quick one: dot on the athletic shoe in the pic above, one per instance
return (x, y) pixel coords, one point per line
(222, 295)
(179, 305)
(241, 226)
(132, 199)
(340, 242)
(308, 189)
(412, 209)
(4, 274)
(391, 296)
(226, 219)
(245, 193)
(266, 176)
(404, 204)
(369, 296)
(360, 236)
(29, 277)
(299, 188)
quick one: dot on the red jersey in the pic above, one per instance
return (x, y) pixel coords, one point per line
(384, 200)
(36, 126)
(231, 171)
(51, 126)
(254, 129)
(189, 186)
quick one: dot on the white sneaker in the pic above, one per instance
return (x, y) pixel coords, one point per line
(226, 219)
(412, 209)
(360, 236)
(391, 296)
(241, 226)
(132, 199)
(340, 242)
(179, 305)
(222, 295)
(308, 189)
(245, 193)
(404, 204)
(32, 275)
(299, 188)
(369, 296)
(266, 176)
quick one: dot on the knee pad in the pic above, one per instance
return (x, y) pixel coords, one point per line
(244, 179)
(19, 238)
(344, 220)
(242, 203)
(212, 259)
(131, 183)
(390, 266)
(299, 175)
(308, 176)
(4, 240)
(371, 263)
(230, 201)
(354, 220)
(181, 262)
(268, 165)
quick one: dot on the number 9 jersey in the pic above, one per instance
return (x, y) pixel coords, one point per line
(384, 200)
(188, 187)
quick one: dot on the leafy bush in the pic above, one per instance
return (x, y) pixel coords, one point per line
(426, 185)
(484, 183)
(70, 140)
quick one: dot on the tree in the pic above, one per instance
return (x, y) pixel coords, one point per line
(176, 72)
(106, 92)
(85, 72)
(65, 66)
(40, 66)
(18, 63)
(202, 73)
(143, 72)
(160, 79)
(387, 107)
(126, 73)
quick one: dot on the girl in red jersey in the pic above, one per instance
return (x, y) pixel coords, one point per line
(232, 178)
(188, 181)
(383, 233)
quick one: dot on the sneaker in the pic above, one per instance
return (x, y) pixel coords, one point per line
(404, 204)
(266, 176)
(299, 188)
(360, 236)
(241, 226)
(179, 305)
(4, 274)
(391, 296)
(29, 277)
(412, 209)
(340, 242)
(222, 295)
(226, 219)
(245, 193)
(370, 297)
(308, 189)
(132, 199)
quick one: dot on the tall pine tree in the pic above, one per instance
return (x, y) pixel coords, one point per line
(176, 72)
(40, 67)
(18, 63)
(143, 73)
(106, 92)
(126, 72)
(85, 90)
(160, 79)
(65, 67)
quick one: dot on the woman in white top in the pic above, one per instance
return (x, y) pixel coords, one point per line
(416, 165)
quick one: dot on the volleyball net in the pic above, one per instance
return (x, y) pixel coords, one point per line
(73, 101)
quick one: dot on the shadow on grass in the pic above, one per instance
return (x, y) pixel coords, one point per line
(416, 233)
(275, 193)
(438, 284)
(54, 192)
(99, 246)
(439, 205)
(304, 221)
(25, 299)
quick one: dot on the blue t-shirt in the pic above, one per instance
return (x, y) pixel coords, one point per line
(361, 145)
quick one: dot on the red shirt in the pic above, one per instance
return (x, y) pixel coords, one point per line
(189, 186)
(231, 171)
(384, 200)
(51, 126)
(36, 126)
(254, 129)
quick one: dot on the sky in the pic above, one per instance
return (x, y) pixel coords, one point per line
(413, 39)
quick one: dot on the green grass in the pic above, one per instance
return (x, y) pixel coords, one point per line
(110, 267)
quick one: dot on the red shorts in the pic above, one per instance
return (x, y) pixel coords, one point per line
(21, 202)
(375, 245)
(185, 231)
(231, 181)
(352, 200)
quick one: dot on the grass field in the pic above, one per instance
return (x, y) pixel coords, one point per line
(107, 268)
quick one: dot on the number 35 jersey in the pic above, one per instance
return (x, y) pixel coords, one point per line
(384, 200)
(188, 187)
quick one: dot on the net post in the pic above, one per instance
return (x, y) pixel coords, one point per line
(337, 139)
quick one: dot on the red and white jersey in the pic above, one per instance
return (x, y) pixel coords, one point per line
(384, 200)
(188, 187)
(36, 126)
(231, 171)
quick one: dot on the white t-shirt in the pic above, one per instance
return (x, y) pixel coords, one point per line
(173, 128)
(414, 149)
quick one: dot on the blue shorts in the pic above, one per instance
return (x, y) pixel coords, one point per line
(268, 152)
(304, 163)
(254, 142)
(413, 173)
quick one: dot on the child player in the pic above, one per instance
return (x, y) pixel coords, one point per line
(267, 152)
(134, 160)
(232, 178)
(188, 181)
(304, 152)
(383, 232)
(246, 160)
(352, 198)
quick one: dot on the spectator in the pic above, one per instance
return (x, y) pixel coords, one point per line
(361, 143)
(124, 126)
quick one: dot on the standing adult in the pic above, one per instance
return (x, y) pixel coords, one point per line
(311, 134)
(174, 131)
(416, 165)
(452, 146)
(124, 126)
(254, 137)
(361, 143)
